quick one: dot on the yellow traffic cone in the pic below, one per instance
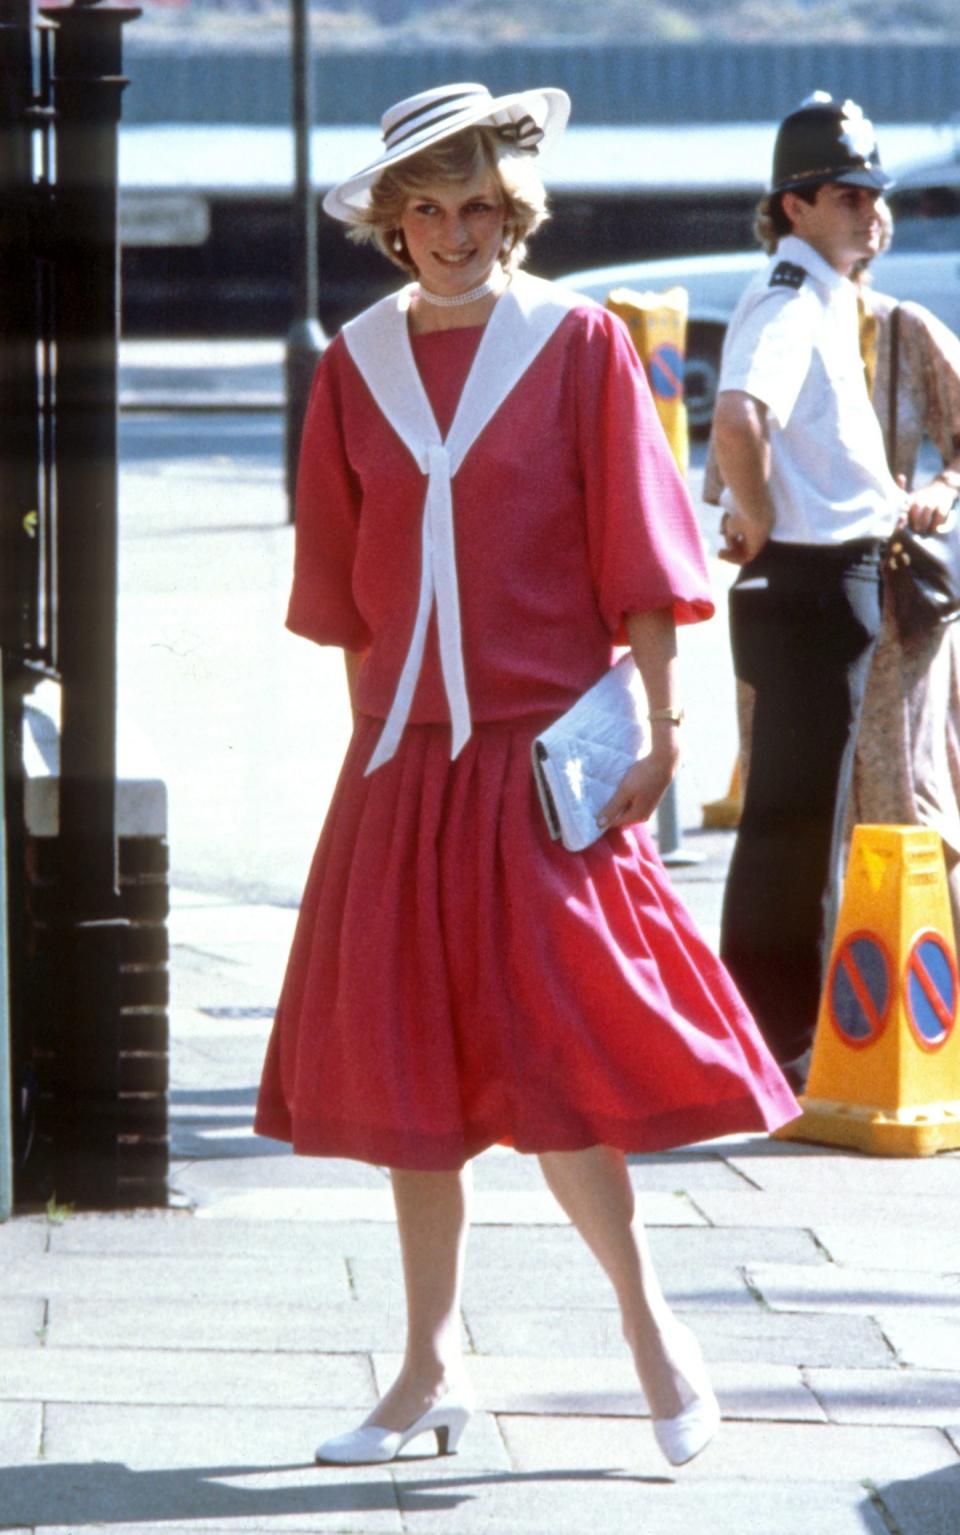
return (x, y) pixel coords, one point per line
(657, 323)
(725, 813)
(885, 1072)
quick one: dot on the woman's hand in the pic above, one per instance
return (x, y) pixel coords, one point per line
(643, 785)
(653, 640)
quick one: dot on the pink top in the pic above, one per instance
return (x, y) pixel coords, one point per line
(569, 514)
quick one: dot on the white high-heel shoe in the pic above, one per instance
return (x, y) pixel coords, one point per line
(372, 1445)
(682, 1437)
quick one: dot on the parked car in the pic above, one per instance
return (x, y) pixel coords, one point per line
(923, 265)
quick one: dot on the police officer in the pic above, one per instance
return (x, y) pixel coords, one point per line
(809, 501)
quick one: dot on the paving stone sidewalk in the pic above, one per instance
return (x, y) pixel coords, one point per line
(171, 1371)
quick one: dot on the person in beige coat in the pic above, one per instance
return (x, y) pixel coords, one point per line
(907, 765)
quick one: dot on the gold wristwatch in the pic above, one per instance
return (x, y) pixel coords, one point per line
(672, 716)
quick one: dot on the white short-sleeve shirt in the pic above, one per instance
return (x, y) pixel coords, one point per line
(793, 343)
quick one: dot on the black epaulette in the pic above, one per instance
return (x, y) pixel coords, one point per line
(786, 275)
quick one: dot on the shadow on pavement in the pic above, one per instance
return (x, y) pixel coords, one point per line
(204, 1140)
(181, 1098)
(768, 1146)
(101, 1493)
(201, 1130)
(926, 1505)
(742, 1149)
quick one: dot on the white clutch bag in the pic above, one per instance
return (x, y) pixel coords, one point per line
(580, 759)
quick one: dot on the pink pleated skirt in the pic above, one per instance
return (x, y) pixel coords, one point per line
(457, 979)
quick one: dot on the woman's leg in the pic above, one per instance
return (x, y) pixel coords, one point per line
(432, 1219)
(593, 1188)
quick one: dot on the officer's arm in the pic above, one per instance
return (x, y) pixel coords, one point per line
(743, 454)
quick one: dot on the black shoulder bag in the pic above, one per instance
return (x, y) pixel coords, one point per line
(922, 569)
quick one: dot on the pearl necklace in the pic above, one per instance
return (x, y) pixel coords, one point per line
(455, 300)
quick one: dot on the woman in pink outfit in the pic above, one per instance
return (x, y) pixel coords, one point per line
(486, 506)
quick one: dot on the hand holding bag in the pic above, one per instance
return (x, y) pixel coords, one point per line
(922, 569)
(580, 759)
(923, 575)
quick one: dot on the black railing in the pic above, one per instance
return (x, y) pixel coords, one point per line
(70, 944)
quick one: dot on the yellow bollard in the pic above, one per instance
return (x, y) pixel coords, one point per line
(885, 1072)
(657, 323)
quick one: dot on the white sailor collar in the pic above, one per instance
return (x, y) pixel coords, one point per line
(524, 318)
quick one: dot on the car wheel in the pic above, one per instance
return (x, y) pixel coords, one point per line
(701, 375)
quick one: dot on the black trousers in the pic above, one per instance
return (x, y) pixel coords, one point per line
(804, 621)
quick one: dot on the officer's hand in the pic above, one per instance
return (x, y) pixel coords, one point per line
(743, 537)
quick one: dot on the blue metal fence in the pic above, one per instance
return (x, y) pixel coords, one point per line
(637, 83)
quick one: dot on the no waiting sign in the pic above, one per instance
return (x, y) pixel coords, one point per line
(665, 369)
(859, 991)
(930, 990)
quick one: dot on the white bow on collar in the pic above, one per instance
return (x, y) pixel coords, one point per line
(523, 320)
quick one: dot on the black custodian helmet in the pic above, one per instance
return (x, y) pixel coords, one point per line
(827, 140)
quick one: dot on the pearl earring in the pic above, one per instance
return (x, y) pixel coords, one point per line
(398, 242)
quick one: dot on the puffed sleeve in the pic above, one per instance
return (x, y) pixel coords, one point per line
(645, 547)
(322, 606)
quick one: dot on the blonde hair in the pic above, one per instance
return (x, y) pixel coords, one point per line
(461, 158)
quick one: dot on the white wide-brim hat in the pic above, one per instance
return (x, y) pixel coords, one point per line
(530, 119)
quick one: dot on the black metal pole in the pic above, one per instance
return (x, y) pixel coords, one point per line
(6, 1032)
(18, 387)
(305, 338)
(87, 88)
(87, 85)
(21, 533)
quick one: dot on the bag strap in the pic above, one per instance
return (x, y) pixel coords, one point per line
(893, 388)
